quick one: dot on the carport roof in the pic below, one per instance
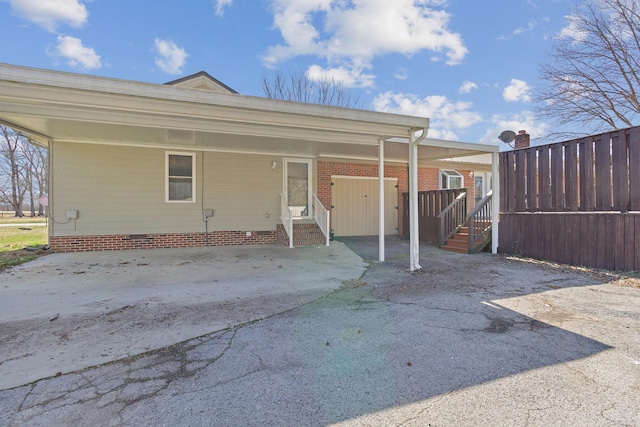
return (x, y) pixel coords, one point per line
(55, 106)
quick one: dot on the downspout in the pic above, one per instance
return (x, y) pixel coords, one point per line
(495, 201)
(381, 200)
(414, 235)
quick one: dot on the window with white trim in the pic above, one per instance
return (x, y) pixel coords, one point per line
(180, 172)
(451, 179)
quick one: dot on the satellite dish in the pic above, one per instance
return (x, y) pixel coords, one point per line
(507, 136)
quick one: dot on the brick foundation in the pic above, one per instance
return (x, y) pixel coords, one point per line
(159, 241)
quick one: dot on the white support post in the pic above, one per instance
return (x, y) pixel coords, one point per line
(495, 201)
(381, 200)
(414, 236)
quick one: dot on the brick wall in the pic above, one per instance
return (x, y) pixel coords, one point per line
(158, 241)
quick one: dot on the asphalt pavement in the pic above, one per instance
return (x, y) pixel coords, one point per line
(471, 340)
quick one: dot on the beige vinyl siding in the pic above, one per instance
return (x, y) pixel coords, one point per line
(121, 190)
(356, 206)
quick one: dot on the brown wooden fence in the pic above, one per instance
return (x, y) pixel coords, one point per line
(430, 204)
(575, 202)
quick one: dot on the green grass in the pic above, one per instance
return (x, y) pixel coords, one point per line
(14, 239)
(9, 218)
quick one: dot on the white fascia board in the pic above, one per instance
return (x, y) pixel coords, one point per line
(125, 90)
(54, 102)
(150, 120)
(475, 159)
(482, 167)
(468, 146)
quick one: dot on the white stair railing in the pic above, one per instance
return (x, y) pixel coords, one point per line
(321, 216)
(286, 215)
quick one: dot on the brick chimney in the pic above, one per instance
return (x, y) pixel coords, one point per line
(522, 140)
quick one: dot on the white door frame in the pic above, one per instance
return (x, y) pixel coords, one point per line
(285, 184)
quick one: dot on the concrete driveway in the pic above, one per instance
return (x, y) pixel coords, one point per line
(473, 340)
(68, 311)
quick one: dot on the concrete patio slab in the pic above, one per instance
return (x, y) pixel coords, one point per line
(67, 311)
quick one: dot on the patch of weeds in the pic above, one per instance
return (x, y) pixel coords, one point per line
(620, 278)
(13, 258)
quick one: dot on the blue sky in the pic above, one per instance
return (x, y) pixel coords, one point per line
(470, 66)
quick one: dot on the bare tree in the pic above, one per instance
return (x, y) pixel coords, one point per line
(12, 189)
(300, 87)
(36, 173)
(592, 72)
(23, 170)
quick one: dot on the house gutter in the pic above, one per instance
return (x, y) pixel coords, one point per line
(414, 236)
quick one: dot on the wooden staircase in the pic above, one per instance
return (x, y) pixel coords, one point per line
(469, 235)
(459, 242)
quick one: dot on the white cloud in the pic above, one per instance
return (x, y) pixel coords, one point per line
(48, 14)
(573, 30)
(76, 54)
(220, 5)
(348, 76)
(170, 58)
(522, 121)
(530, 26)
(446, 116)
(467, 86)
(353, 33)
(401, 74)
(518, 90)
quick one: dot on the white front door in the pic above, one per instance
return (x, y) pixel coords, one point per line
(297, 186)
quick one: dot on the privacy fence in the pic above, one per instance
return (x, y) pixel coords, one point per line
(575, 202)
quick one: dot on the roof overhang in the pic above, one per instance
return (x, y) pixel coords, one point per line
(55, 106)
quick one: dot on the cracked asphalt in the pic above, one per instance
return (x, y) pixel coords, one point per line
(472, 340)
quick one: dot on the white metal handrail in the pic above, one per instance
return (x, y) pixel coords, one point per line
(286, 215)
(321, 215)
